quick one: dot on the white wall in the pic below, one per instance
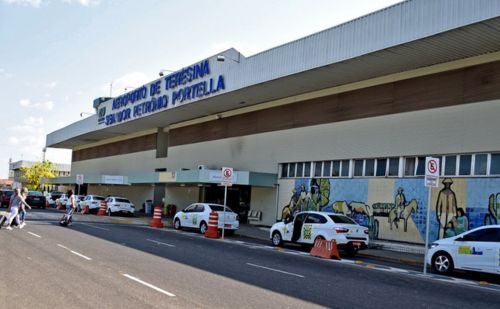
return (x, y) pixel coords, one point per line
(264, 199)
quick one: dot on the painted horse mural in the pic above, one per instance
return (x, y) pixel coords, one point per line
(394, 215)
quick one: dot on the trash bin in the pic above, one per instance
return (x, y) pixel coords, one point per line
(148, 205)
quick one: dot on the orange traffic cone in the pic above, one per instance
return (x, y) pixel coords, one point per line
(103, 209)
(326, 249)
(156, 222)
(213, 225)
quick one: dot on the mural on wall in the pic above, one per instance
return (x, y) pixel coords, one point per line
(398, 207)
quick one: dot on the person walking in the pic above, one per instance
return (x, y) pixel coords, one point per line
(22, 208)
(16, 203)
(70, 206)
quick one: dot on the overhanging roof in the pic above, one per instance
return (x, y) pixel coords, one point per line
(308, 65)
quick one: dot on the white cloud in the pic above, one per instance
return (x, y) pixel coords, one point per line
(128, 81)
(32, 121)
(48, 105)
(37, 3)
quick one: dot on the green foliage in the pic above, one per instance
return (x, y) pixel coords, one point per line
(33, 174)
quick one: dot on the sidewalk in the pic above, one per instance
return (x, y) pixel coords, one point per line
(380, 250)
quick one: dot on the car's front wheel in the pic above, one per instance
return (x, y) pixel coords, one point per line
(442, 263)
(203, 227)
(277, 240)
(177, 224)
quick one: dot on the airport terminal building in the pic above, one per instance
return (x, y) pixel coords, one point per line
(341, 120)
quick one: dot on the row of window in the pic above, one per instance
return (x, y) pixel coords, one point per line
(483, 164)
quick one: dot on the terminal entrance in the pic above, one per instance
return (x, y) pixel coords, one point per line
(238, 198)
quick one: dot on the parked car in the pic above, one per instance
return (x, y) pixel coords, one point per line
(196, 216)
(50, 202)
(79, 200)
(307, 226)
(119, 205)
(474, 250)
(62, 200)
(54, 195)
(93, 201)
(5, 195)
(36, 199)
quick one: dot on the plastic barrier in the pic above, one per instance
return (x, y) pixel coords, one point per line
(103, 209)
(325, 249)
(156, 221)
(213, 225)
(86, 210)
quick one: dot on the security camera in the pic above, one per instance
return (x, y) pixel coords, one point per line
(221, 58)
(161, 73)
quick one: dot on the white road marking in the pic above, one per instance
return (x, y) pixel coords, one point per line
(75, 253)
(96, 227)
(276, 270)
(160, 243)
(35, 235)
(149, 285)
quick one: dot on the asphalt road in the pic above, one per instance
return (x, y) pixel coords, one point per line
(100, 263)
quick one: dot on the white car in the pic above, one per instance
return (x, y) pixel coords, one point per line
(93, 201)
(307, 226)
(475, 250)
(196, 216)
(62, 200)
(119, 205)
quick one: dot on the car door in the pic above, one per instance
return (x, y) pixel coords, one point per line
(186, 216)
(313, 226)
(298, 222)
(478, 250)
(197, 215)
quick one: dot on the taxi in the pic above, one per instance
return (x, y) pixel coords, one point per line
(196, 216)
(307, 226)
(474, 250)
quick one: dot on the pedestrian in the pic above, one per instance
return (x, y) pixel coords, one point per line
(70, 206)
(22, 209)
(15, 205)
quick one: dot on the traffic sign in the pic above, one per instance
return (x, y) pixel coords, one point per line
(431, 172)
(227, 176)
(79, 179)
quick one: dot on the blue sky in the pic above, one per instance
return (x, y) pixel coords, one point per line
(56, 56)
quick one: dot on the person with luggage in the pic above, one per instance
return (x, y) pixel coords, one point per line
(15, 205)
(22, 209)
(67, 219)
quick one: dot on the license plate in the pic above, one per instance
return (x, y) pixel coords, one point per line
(227, 225)
(356, 243)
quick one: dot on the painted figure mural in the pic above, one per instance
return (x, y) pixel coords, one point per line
(396, 209)
(446, 207)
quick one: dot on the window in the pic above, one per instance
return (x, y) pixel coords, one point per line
(450, 165)
(300, 169)
(420, 166)
(326, 168)
(341, 219)
(484, 235)
(410, 167)
(317, 169)
(465, 165)
(370, 167)
(307, 169)
(480, 164)
(495, 164)
(345, 168)
(336, 168)
(393, 167)
(381, 167)
(291, 170)
(199, 208)
(315, 219)
(358, 167)
(284, 170)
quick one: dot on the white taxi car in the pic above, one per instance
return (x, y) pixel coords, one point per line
(307, 226)
(196, 216)
(474, 250)
(93, 201)
(119, 205)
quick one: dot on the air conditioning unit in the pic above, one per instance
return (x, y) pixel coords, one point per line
(202, 167)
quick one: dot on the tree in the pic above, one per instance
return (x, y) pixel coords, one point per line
(33, 174)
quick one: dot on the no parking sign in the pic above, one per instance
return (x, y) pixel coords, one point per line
(227, 176)
(431, 172)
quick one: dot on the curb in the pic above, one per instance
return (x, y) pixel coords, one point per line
(392, 259)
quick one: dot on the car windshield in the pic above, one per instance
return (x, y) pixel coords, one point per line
(35, 193)
(341, 219)
(98, 198)
(122, 200)
(219, 208)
